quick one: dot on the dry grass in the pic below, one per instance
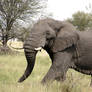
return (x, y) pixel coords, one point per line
(13, 66)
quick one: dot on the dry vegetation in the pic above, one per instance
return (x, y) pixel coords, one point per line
(13, 66)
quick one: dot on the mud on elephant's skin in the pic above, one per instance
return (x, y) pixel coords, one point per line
(66, 47)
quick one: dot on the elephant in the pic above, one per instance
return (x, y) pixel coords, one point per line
(66, 46)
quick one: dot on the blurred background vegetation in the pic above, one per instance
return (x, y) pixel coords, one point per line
(81, 20)
(16, 20)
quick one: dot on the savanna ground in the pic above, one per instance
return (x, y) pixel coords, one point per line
(12, 67)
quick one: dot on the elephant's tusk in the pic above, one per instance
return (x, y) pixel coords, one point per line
(38, 49)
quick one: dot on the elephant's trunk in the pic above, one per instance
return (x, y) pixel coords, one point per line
(30, 57)
(31, 46)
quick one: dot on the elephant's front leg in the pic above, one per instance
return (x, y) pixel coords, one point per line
(58, 69)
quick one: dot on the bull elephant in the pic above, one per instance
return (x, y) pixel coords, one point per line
(67, 48)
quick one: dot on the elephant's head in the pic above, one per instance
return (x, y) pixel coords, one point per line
(44, 33)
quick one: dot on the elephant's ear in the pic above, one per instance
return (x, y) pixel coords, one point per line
(64, 40)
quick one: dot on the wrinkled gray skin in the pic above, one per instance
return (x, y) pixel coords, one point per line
(66, 47)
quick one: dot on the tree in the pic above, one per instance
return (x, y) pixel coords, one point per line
(81, 20)
(12, 11)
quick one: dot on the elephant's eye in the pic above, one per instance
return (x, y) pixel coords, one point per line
(48, 33)
(48, 36)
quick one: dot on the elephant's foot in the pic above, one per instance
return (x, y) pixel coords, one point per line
(60, 79)
(49, 77)
(46, 82)
(53, 75)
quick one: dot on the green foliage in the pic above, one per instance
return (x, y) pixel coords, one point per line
(81, 20)
(12, 67)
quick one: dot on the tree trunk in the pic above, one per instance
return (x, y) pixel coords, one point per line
(5, 40)
(4, 49)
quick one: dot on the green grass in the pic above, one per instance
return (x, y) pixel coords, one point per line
(12, 67)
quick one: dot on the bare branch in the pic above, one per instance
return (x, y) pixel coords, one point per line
(12, 10)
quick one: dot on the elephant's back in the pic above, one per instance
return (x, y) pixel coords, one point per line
(86, 35)
(85, 39)
(85, 50)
